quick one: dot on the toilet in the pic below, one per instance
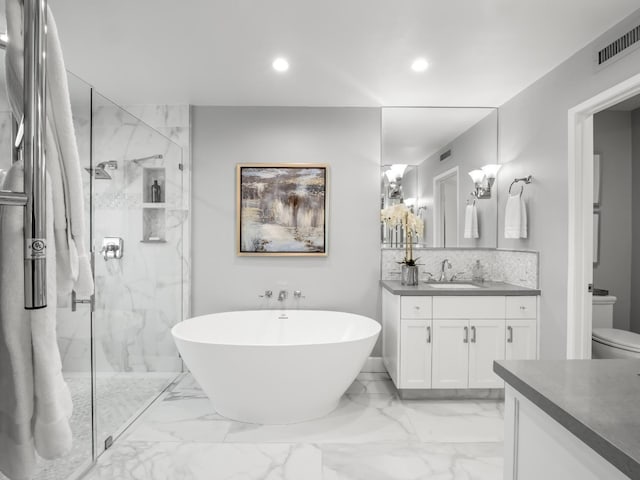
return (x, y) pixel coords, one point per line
(609, 342)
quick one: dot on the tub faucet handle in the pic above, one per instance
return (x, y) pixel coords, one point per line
(282, 295)
(267, 294)
(298, 294)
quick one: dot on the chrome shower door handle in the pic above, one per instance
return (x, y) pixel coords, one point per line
(75, 301)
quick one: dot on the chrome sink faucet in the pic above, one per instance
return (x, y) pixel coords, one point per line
(282, 295)
(443, 275)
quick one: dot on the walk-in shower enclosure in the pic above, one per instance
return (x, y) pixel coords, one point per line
(116, 349)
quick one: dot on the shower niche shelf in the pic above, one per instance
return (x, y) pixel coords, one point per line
(154, 222)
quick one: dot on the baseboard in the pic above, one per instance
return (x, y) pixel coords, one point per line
(374, 365)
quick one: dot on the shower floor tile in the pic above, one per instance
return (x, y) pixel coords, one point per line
(372, 435)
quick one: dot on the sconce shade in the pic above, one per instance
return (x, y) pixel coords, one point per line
(491, 171)
(477, 176)
(390, 175)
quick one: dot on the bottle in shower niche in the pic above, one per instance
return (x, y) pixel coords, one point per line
(156, 192)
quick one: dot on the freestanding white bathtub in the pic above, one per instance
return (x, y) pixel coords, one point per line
(275, 366)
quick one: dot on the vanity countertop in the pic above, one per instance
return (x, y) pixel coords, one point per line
(484, 289)
(596, 400)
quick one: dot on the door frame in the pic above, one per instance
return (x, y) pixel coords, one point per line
(580, 219)
(437, 180)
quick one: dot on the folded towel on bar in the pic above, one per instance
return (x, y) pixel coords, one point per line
(515, 217)
(471, 221)
(62, 158)
(35, 403)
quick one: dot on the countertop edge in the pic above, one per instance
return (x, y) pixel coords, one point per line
(504, 289)
(619, 459)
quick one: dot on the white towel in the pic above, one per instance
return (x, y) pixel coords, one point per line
(515, 217)
(63, 163)
(471, 221)
(35, 402)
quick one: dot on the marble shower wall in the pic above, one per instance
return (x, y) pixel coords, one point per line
(512, 266)
(141, 296)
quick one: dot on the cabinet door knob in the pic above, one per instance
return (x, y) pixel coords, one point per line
(510, 336)
(417, 307)
(466, 335)
(522, 307)
(428, 334)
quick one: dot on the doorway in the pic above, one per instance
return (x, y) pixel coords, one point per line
(581, 218)
(445, 212)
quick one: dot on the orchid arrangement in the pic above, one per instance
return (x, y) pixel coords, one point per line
(400, 215)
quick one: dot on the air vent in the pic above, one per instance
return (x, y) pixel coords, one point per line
(445, 155)
(621, 44)
(618, 42)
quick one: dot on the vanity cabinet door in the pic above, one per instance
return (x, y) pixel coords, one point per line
(450, 353)
(415, 356)
(521, 340)
(486, 344)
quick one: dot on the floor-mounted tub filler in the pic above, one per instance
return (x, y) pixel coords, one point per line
(270, 367)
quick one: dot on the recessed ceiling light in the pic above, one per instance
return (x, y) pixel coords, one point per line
(280, 64)
(419, 65)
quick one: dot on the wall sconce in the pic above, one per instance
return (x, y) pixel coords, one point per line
(484, 179)
(394, 175)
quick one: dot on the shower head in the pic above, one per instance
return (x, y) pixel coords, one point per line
(100, 172)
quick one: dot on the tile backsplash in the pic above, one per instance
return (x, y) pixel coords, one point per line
(512, 266)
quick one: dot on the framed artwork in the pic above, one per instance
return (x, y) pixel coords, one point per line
(596, 180)
(596, 237)
(281, 209)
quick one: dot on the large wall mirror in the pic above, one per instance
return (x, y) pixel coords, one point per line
(429, 155)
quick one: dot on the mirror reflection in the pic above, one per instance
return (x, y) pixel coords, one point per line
(441, 162)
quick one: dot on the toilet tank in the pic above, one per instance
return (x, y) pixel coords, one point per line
(603, 311)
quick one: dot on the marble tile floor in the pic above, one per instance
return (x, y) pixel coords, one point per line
(119, 396)
(372, 435)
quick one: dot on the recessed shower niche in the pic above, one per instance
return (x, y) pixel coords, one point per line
(154, 224)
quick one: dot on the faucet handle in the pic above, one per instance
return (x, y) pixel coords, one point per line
(431, 276)
(298, 294)
(455, 276)
(267, 294)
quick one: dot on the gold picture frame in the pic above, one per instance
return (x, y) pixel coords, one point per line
(281, 209)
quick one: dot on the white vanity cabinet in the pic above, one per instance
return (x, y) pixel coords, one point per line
(521, 328)
(451, 341)
(469, 334)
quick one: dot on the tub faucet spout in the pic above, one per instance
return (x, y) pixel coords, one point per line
(282, 296)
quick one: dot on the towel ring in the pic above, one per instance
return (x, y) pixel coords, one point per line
(525, 180)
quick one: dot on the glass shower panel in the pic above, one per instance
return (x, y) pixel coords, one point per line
(73, 328)
(137, 234)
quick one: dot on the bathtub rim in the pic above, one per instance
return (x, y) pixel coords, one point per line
(377, 327)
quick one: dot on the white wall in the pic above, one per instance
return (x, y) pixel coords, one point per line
(612, 140)
(634, 322)
(348, 139)
(533, 140)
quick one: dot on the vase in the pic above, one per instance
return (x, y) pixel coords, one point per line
(409, 275)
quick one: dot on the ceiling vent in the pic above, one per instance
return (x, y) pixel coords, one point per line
(621, 41)
(445, 155)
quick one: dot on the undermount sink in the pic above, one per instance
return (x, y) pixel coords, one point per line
(452, 286)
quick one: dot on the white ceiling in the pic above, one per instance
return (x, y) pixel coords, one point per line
(342, 52)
